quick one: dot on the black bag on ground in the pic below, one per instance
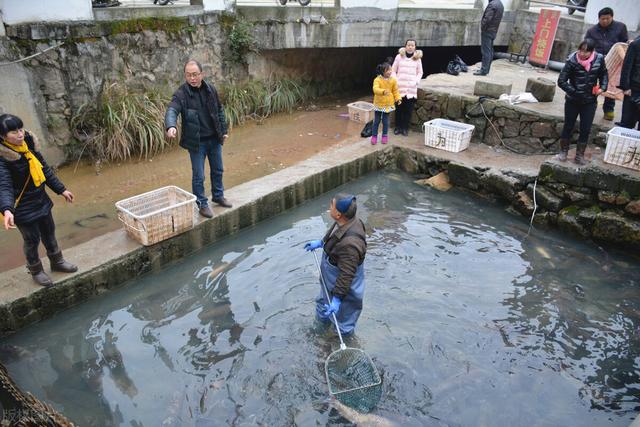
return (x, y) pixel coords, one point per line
(463, 66)
(367, 130)
(453, 68)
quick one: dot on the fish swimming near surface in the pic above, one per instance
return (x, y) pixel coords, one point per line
(543, 252)
(360, 419)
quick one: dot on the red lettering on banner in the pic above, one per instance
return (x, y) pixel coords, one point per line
(544, 37)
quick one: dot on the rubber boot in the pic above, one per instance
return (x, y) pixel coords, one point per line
(38, 274)
(564, 150)
(580, 149)
(59, 264)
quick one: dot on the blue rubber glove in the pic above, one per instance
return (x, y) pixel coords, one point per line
(333, 307)
(313, 245)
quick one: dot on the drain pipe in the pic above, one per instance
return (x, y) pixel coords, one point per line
(552, 65)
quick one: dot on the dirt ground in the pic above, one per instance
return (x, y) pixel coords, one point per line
(252, 151)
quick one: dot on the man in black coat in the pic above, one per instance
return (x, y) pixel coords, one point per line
(630, 84)
(489, 24)
(204, 131)
(605, 34)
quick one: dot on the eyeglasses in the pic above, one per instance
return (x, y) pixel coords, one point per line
(192, 75)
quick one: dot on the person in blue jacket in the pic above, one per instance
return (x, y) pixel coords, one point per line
(344, 249)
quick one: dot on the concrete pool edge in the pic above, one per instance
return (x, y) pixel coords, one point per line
(111, 260)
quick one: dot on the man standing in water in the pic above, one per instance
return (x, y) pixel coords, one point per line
(345, 247)
(204, 131)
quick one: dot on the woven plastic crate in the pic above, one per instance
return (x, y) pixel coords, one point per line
(157, 215)
(360, 111)
(623, 148)
(447, 135)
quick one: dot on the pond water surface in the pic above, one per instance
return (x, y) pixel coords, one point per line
(470, 322)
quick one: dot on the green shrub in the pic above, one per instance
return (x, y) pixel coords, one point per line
(122, 124)
(241, 40)
(258, 99)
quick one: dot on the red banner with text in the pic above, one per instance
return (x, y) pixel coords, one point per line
(545, 35)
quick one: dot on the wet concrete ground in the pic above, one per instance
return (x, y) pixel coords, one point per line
(253, 150)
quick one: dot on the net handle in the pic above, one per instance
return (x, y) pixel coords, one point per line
(326, 294)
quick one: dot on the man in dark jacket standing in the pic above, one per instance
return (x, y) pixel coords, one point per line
(342, 268)
(488, 30)
(605, 34)
(630, 84)
(204, 131)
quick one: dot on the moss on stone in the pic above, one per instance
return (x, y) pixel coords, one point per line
(596, 209)
(166, 24)
(570, 210)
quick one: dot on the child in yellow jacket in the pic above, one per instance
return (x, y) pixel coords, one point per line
(385, 98)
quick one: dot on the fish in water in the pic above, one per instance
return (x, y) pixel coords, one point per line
(543, 252)
(360, 419)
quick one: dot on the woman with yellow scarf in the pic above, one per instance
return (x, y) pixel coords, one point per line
(23, 200)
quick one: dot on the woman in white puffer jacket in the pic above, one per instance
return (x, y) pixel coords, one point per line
(407, 69)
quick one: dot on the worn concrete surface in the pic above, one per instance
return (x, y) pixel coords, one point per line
(516, 74)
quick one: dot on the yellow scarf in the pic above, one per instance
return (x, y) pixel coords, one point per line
(35, 167)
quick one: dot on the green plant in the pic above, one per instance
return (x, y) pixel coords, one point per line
(258, 99)
(122, 124)
(241, 39)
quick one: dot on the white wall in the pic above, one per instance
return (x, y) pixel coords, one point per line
(19, 11)
(627, 11)
(213, 5)
(380, 4)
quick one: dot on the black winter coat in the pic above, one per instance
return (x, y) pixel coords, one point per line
(578, 83)
(605, 38)
(492, 17)
(630, 75)
(14, 172)
(186, 102)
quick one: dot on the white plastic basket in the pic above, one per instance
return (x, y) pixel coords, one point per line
(360, 111)
(447, 135)
(157, 215)
(623, 148)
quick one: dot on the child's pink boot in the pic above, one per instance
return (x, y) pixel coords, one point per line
(385, 139)
(374, 139)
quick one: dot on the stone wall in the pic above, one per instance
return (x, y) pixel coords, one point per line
(519, 129)
(137, 53)
(570, 33)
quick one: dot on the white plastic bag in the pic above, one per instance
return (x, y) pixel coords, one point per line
(518, 99)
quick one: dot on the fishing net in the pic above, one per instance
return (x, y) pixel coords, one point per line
(353, 379)
(351, 375)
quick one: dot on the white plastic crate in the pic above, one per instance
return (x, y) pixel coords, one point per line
(360, 111)
(157, 215)
(623, 148)
(447, 135)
